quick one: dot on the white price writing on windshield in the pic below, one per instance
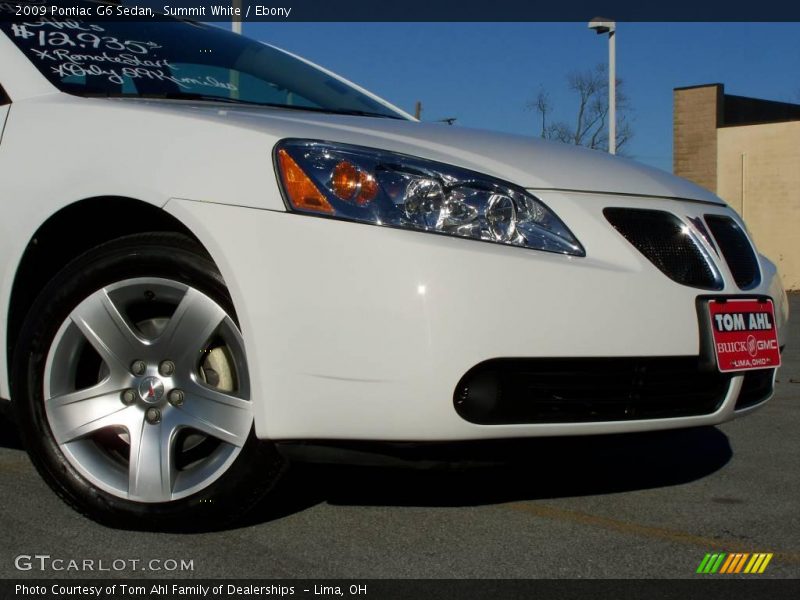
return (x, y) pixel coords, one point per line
(91, 40)
(21, 31)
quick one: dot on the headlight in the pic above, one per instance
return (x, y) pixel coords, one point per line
(396, 190)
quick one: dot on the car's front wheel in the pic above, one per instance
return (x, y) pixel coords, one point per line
(132, 391)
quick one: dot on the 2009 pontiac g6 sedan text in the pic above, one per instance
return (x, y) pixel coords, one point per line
(209, 246)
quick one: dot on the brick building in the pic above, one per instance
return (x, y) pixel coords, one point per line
(747, 151)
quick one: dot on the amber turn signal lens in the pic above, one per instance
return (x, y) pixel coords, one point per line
(344, 180)
(302, 192)
(369, 188)
(351, 183)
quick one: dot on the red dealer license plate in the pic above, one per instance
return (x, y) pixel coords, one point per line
(744, 334)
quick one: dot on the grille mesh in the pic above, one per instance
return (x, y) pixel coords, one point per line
(582, 390)
(736, 249)
(660, 236)
(756, 388)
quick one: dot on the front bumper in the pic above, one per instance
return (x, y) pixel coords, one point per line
(362, 332)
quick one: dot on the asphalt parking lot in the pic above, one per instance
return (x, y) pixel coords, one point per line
(620, 507)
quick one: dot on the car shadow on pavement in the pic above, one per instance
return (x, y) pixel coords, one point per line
(508, 471)
(484, 473)
(8, 430)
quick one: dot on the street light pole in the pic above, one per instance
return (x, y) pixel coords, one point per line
(236, 25)
(601, 26)
(612, 92)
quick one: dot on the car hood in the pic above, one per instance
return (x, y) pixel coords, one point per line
(524, 160)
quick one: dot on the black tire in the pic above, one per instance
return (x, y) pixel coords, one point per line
(167, 256)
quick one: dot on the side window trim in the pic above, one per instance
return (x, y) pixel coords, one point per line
(5, 103)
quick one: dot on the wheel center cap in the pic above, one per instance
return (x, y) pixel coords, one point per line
(151, 390)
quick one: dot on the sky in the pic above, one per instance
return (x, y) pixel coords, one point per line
(483, 74)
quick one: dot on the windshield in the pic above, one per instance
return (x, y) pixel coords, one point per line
(179, 59)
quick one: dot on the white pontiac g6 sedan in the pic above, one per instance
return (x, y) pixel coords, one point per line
(210, 247)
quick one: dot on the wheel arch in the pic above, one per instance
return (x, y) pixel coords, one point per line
(67, 234)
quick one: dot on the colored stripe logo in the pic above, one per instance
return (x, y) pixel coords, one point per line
(735, 562)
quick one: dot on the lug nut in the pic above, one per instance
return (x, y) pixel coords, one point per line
(128, 397)
(176, 397)
(138, 368)
(153, 415)
(167, 368)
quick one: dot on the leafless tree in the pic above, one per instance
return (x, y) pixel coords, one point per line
(543, 106)
(590, 128)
